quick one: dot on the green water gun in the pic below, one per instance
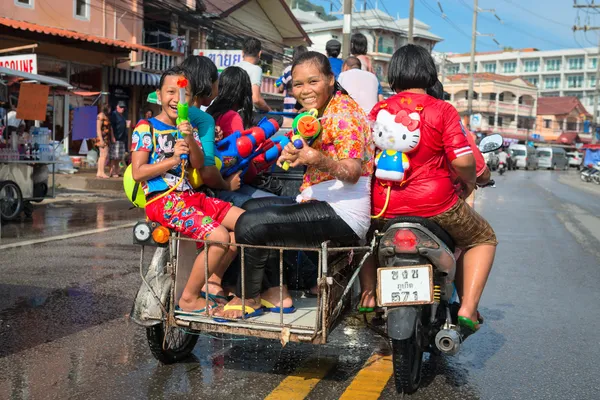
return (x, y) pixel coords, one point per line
(305, 126)
(183, 109)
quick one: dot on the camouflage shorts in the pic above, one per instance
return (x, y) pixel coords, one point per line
(466, 226)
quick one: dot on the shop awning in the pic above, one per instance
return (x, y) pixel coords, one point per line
(33, 77)
(67, 34)
(124, 77)
(568, 138)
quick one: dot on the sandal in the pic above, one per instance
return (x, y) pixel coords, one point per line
(178, 310)
(238, 307)
(273, 308)
(467, 327)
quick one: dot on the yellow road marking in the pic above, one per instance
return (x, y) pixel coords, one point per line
(371, 380)
(303, 380)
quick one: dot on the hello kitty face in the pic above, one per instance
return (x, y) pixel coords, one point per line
(400, 132)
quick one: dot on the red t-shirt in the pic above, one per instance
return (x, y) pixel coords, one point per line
(230, 122)
(427, 189)
(480, 164)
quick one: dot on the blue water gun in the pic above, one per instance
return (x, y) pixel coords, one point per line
(237, 150)
(271, 151)
(279, 81)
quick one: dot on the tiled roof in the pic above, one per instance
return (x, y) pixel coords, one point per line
(65, 33)
(560, 106)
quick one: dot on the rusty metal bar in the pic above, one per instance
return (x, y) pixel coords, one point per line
(319, 295)
(243, 273)
(325, 297)
(281, 287)
(206, 247)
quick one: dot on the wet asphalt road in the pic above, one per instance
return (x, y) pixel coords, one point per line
(64, 330)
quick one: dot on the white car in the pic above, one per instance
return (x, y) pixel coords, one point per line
(575, 159)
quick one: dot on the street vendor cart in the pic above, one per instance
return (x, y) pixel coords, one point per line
(26, 160)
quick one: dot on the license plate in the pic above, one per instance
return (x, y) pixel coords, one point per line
(399, 286)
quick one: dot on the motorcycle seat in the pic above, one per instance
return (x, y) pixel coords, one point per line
(428, 224)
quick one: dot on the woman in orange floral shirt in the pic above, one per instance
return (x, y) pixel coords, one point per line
(334, 201)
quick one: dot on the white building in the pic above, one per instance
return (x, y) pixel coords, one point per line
(566, 72)
(384, 34)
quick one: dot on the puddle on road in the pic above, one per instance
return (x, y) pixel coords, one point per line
(58, 219)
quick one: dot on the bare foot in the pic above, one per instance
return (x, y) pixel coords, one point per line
(237, 314)
(272, 296)
(198, 304)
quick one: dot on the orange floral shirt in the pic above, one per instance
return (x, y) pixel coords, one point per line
(346, 134)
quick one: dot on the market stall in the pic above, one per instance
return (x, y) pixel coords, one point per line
(26, 152)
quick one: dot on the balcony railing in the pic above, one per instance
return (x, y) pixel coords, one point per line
(489, 106)
(154, 62)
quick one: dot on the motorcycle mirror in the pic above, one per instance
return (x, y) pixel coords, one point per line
(491, 143)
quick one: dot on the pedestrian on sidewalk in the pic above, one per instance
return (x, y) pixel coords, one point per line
(361, 85)
(104, 137)
(119, 128)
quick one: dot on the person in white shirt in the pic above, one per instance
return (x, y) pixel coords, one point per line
(251, 51)
(361, 85)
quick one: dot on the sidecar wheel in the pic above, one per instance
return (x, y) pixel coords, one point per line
(178, 344)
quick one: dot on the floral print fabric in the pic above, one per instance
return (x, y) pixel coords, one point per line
(346, 134)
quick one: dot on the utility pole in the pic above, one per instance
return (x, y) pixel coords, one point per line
(474, 34)
(586, 28)
(347, 28)
(472, 62)
(411, 22)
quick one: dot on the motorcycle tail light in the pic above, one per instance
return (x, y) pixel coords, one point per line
(405, 241)
(161, 234)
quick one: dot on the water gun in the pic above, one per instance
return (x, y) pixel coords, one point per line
(183, 109)
(279, 81)
(305, 126)
(271, 151)
(237, 150)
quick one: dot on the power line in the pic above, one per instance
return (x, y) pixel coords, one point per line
(450, 22)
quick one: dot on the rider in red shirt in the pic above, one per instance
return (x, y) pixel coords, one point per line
(419, 137)
(427, 189)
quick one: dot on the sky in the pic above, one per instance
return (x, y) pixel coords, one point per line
(542, 24)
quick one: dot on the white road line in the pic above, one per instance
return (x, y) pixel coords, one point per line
(66, 236)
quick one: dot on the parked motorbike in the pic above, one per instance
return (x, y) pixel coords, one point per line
(416, 269)
(590, 172)
(501, 168)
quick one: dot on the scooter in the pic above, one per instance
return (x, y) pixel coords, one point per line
(415, 275)
(588, 172)
(501, 168)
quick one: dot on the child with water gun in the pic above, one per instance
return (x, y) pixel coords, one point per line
(162, 149)
(232, 111)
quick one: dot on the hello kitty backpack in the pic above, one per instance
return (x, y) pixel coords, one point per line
(395, 135)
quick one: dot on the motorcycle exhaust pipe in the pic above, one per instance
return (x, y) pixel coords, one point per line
(448, 341)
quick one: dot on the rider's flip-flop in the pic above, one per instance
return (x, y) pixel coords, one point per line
(273, 308)
(238, 307)
(467, 326)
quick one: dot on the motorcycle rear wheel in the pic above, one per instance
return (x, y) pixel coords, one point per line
(178, 344)
(407, 358)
